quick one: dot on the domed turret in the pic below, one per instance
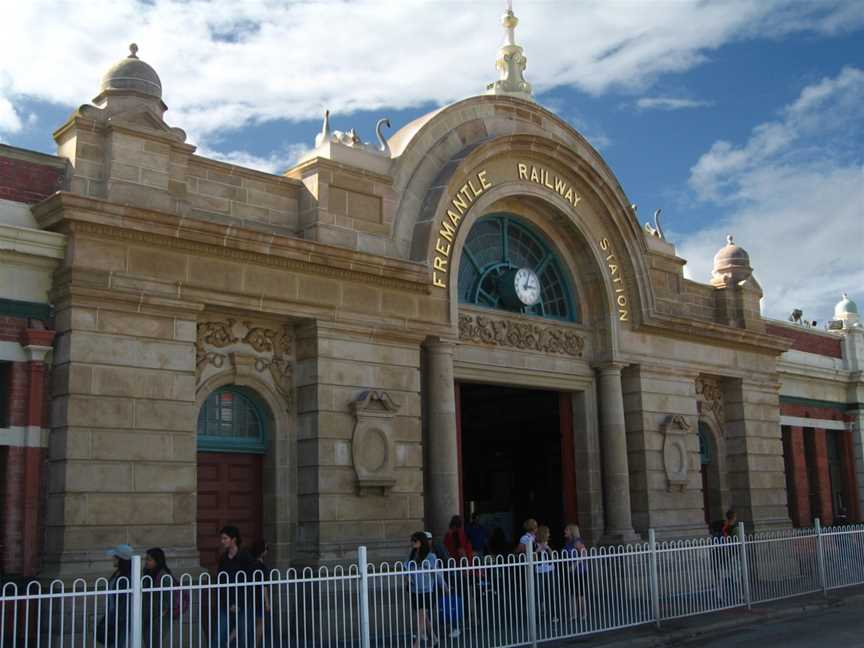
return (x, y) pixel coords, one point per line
(131, 73)
(130, 83)
(846, 311)
(731, 265)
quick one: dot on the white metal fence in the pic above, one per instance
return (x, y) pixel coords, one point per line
(506, 601)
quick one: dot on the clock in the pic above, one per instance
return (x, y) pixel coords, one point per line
(519, 287)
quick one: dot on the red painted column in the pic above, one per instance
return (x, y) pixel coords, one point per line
(823, 478)
(568, 459)
(797, 465)
(850, 482)
(23, 505)
(13, 504)
(458, 396)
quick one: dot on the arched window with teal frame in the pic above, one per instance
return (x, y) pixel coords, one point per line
(497, 248)
(233, 419)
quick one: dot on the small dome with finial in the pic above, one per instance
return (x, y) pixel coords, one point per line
(846, 309)
(731, 264)
(132, 74)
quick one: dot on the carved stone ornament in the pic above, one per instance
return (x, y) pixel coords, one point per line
(676, 459)
(710, 400)
(373, 446)
(227, 340)
(520, 335)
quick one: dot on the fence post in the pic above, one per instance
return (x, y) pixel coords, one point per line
(820, 557)
(364, 596)
(745, 567)
(137, 603)
(531, 593)
(655, 576)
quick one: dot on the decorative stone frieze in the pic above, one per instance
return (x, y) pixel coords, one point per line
(373, 444)
(676, 459)
(228, 339)
(525, 336)
(709, 393)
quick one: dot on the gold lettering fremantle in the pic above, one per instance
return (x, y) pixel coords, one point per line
(457, 208)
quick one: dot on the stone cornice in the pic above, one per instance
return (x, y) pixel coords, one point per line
(317, 164)
(33, 156)
(32, 242)
(75, 214)
(700, 331)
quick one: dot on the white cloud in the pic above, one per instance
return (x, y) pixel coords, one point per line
(795, 194)
(670, 103)
(226, 64)
(823, 109)
(10, 122)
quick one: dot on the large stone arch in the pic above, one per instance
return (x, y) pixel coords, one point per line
(595, 228)
(280, 486)
(432, 150)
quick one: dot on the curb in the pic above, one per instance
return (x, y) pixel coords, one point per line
(662, 638)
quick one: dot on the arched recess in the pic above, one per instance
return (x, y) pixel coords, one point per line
(436, 153)
(712, 466)
(570, 238)
(596, 228)
(279, 506)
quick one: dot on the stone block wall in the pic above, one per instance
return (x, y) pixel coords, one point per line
(754, 452)
(133, 165)
(123, 449)
(651, 396)
(333, 369)
(347, 207)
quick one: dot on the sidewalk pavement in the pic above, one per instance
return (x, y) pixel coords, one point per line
(717, 624)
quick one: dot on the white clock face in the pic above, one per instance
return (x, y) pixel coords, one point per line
(527, 286)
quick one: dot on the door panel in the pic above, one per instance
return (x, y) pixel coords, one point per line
(229, 492)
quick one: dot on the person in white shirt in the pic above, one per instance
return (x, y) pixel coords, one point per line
(544, 568)
(530, 535)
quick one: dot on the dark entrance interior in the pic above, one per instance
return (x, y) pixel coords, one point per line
(511, 446)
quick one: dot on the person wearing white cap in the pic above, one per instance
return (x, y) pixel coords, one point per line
(112, 628)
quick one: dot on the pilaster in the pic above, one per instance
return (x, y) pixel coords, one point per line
(755, 469)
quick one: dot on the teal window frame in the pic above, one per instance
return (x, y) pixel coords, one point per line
(482, 263)
(212, 412)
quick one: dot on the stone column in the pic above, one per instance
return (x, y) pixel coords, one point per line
(443, 451)
(613, 441)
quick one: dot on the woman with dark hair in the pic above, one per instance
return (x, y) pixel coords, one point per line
(159, 604)
(422, 580)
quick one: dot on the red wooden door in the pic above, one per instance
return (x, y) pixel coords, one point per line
(229, 492)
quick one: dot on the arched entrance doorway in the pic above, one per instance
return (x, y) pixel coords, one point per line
(233, 428)
(516, 439)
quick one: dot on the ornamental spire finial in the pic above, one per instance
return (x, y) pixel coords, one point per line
(511, 62)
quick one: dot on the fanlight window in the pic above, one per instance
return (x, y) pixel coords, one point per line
(232, 419)
(497, 247)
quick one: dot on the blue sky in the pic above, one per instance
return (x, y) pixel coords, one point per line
(736, 116)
